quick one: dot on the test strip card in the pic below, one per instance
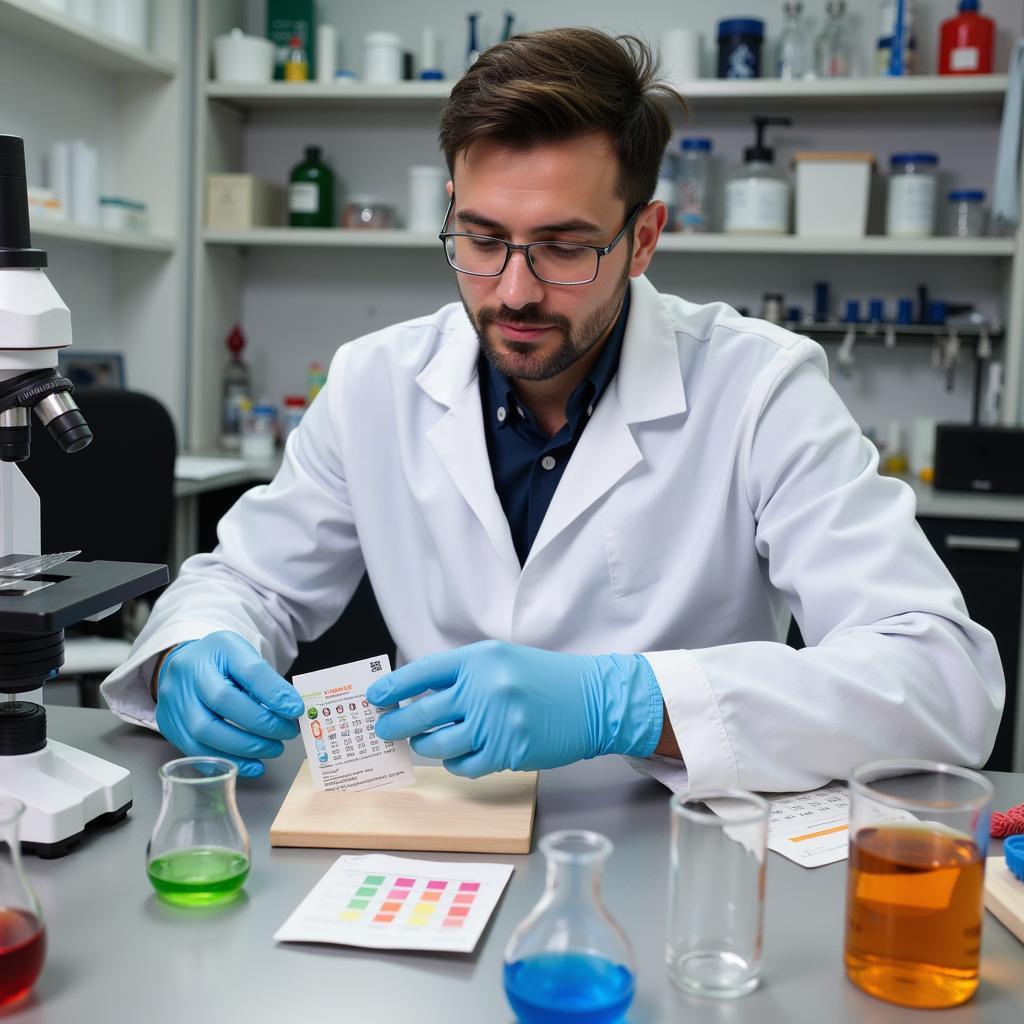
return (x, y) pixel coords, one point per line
(385, 902)
(342, 748)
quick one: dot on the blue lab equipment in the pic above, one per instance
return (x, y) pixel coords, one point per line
(876, 311)
(221, 690)
(520, 707)
(472, 47)
(936, 312)
(739, 47)
(852, 312)
(822, 301)
(794, 314)
(1013, 851)
(506, 32)
(905, 311)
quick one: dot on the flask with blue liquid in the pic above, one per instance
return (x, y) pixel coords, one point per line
(568, 960)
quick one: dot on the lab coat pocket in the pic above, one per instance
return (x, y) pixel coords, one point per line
(631, 542)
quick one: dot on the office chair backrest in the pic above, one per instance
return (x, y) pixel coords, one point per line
(114, 499)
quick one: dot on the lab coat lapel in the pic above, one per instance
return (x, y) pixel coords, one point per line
(647, 386)
(450, 378)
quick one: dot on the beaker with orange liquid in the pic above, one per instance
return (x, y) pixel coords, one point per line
(918, 839)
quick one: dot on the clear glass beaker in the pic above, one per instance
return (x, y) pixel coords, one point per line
(22, 934)
(568, 960)
(198, 854)
(915, 884)
(716, 891)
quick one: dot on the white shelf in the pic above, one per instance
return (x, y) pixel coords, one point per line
(68, 231)
(999, 248)
(32, 21)
(930, 90)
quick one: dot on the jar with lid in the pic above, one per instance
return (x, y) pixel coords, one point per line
(739, 47)
(259, 430)
(367, 212)
(967, 216)
(292, 408)
(913, 181)
(693, 181)
(382, 57)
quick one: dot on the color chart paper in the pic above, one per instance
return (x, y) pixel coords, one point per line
(342, 747)
(386, 902)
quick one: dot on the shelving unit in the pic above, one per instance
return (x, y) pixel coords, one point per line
(62, 79)
(301, 292)
(56, 32)
(922, 90)
(970, 248)
(68, 231)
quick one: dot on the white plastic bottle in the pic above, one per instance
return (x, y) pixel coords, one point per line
(693, 186)
(757, 196)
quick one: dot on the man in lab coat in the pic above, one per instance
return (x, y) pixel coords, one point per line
(568, 464)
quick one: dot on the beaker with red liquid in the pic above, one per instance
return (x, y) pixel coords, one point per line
(22, 934)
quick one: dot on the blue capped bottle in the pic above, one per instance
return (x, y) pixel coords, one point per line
(568, 960)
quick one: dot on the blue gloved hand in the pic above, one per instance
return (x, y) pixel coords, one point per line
(216, 697)
(506, 706)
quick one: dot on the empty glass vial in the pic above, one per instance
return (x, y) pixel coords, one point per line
(795, 58)
(834, 49)
(693, 186)
(198, 854)
(22, 935)
(568, 960)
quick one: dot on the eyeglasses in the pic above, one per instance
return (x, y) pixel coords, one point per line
(550, 262)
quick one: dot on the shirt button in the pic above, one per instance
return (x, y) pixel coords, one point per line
(501, 414)
(548, 462)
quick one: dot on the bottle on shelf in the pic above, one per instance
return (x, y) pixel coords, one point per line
(472, 46)
(833, 55)
(311, 192)
(236, 391)
(966, 42)
(896, 52)
(316, 380)
(296, 65)
(794, 52)
(693, 183)
(757, 195)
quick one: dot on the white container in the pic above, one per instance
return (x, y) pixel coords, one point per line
(85, 187)
(680, 55)
(757, 202)
(382, 58)
(126, 20)
(45, 204)
(58, 173)
(119, 214)
(832, 192)
(241, 58)
(428, 198)
(326, 53)
(913, 187)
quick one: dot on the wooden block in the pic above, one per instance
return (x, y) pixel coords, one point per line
(1004, 895)
(441, 813)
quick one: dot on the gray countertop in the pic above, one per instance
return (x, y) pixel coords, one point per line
(117, 954)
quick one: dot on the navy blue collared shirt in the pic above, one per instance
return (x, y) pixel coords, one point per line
(526, 464)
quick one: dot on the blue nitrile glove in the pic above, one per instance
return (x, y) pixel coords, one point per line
(506, 706)
(216, 697)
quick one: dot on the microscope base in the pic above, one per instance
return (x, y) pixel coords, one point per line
(63, 790)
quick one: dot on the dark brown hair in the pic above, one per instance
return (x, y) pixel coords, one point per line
(560, 83)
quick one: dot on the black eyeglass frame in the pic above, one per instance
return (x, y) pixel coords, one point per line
(511, 247)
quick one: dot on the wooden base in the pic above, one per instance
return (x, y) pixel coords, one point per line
(1004, 895)
(441, 813)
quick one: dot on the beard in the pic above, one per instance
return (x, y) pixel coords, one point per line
(519, 360)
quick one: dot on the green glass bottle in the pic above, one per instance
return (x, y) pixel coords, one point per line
(311, 192)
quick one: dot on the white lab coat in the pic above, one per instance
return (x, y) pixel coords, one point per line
(719, 485)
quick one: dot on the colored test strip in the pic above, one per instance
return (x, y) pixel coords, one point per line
(374, 880)
(469, 887)
(458, 911)
(405, 883)
(464, 897)
(398, 894)
(437, 884)
(434, 895)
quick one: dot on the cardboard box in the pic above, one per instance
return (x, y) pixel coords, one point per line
(287, 18)
(832, 194)
(242, 201)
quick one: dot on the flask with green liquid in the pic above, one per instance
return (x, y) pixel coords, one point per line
(311, 192)
(198, 854)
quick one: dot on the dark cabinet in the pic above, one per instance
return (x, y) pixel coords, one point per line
(986, 558)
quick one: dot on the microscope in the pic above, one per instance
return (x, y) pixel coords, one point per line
(64, 790)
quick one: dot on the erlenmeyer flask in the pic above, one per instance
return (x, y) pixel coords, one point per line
(198, 853)
(568, 960)
(22, 935)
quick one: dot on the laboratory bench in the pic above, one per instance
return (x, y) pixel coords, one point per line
(118, 954)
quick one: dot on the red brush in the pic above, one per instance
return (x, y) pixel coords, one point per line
(1008, 823)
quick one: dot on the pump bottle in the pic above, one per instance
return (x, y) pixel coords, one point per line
(757, 196)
